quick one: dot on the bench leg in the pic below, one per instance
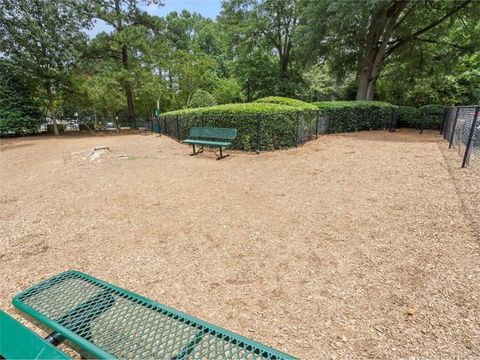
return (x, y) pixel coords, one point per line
(187, 350)
(221, 155)
(196, 152)
(55, 338)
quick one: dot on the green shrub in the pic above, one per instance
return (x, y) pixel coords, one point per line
(281, 126)
(287, 101)
(201, 98)
(278, 123)
(432, 109)
(13, 122)
(348, 116)
(19, 114)
(409, 116)
(431, 116)
(233, 109)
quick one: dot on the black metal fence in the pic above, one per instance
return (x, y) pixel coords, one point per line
(432, 117)
(461, 127)
(260, 132)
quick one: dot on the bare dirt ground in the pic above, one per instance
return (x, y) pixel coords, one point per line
(354, 245)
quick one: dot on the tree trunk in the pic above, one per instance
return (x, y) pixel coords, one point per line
(127, 85)
(128, 90)
(284, 59)
(374, 53)
(51, 108)
(367, 80)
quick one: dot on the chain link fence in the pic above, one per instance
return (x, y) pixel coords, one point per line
(261, 132)
(461, 127)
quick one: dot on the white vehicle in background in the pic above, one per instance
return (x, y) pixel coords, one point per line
(110, 126)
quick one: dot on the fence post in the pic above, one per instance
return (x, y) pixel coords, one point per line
(328, 122)
(422, 124)
(178, 130)
(448, 120)
(318, 121)
(296, 129)
(258, 133)
(444, 120)
(392, 121)
(453, 128)
(396, 117)
(466, 156)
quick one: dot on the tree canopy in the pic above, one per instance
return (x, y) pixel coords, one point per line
(404, 52)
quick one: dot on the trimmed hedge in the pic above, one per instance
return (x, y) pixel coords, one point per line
(281, 126)
(287, 101)
(233, 109)
(409, 117)
(348, 116)
(432, 109)
(278, 123)
(430, 115)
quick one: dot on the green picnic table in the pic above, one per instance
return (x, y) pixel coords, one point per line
(101, 320)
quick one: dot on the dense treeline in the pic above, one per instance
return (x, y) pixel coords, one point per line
(403, 52)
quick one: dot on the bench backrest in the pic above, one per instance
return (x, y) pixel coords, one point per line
(213, 133)
(19, 342)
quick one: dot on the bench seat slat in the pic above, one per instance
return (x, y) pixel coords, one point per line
(207, 142)
(109, 322)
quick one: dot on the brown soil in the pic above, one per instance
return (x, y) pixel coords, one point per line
(354, 245)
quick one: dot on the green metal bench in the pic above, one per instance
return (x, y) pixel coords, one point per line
(100, 320)
(212, 137)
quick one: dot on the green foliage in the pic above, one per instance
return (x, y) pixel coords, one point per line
(202, 98)
(227, 91)
(432, 116)
(287, 101)
(428, 116)
(369, 37)
(348, 116)
(42, 38)
(14, 122)
(353, 104)
(409, 117)
(19, 115)
(432, 109)
(311, 50)
(233, 109)
(278, 123)
(261, 47)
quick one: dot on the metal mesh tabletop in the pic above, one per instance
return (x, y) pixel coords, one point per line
(106, 321)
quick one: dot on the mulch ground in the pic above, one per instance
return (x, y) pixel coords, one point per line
(353, 245)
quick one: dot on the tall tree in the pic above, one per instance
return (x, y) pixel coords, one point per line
(127, 19)
(42, 38)
(267, 24)
(374, 30)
